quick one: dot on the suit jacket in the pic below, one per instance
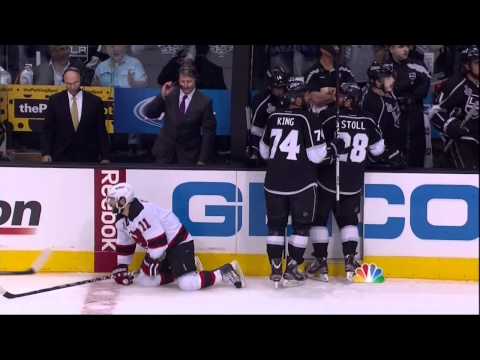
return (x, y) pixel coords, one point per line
(194, 131)
(43, 74)
(89, 143)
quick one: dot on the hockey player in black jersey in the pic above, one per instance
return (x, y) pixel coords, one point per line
(265, 104)
(411, 87)
(379, 100)
(456, 114)
(291, 145)
(361, 135)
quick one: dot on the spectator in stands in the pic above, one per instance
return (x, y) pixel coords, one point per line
(281, 56)
(188, 135)
(77, 134)
(210, 75)
(124, 71)
(120, 69)
(304, 57)
(51, 72)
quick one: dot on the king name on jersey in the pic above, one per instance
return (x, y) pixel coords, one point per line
(352, 124)
(285, 120)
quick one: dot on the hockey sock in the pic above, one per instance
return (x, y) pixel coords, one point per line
(349, 247)
(210, 278)
(320, 250)
(296, 253)
(275, 251)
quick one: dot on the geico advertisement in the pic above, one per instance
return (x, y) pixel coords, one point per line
(421, 215)
(42, 208)
(27, 105)
(223, 210)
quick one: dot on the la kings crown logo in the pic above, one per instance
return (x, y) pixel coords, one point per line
(471, 105)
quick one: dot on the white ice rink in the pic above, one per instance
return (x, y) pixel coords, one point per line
(395, 296)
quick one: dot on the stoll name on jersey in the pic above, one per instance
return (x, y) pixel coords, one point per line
(352, 124)
(283, 120)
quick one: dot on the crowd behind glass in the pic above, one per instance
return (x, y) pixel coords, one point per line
(152, 66)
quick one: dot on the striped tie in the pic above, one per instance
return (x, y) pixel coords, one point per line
(74, 113)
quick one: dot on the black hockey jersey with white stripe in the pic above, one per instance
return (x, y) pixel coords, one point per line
(291, 145)
(458, 101)
(360, 133)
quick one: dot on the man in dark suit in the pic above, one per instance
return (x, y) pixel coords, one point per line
(188, 134)
(74, 128)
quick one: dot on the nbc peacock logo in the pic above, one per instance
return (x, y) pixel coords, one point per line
(369, 273)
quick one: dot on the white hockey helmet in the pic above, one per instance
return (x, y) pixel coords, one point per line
(119, 196)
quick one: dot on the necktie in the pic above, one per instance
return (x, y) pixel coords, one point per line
(182, 104)
(74, 113)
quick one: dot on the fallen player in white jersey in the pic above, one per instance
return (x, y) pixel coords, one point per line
(170, 253)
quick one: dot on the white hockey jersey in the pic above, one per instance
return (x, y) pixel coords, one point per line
(152, 227)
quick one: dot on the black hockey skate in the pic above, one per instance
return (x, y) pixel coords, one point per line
(318, 270)
(350, 265)
(276, 275)
(293, 276)
(232, 274)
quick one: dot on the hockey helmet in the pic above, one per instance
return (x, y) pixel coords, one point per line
(378, 71)
(351, 91)
(277, 77)
(119, 196)
(295, 89)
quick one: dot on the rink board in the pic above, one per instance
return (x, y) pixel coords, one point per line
(416, 225)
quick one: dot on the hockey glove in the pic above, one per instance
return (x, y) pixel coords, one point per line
(150, 266)
(335, 148)
(121, 275)
(454, 130)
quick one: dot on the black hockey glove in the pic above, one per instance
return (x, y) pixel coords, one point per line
(335, 148)
(454, 130)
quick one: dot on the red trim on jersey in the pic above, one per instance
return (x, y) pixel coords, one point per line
(125, 250)
(202, 279)
(181, 236)
(138, 237)
(157, 242)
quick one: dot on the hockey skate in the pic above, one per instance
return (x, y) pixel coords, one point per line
(276, 275)
(350, 265)
(293, 276)
(318, 270)
(232, 274)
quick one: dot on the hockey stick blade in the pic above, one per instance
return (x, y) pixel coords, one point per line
(36, 266)
(10, 295)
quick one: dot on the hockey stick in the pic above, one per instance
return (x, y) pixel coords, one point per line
(9, 295)
(337, 158)
(36, 266)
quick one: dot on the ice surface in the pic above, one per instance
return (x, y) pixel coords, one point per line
(395, 296)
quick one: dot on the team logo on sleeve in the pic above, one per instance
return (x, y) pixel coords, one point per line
(270, 108)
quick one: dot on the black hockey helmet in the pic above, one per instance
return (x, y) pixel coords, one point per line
(296, 88)
(471, 54)
(378, 71)
(351, 91)
(277, 77)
